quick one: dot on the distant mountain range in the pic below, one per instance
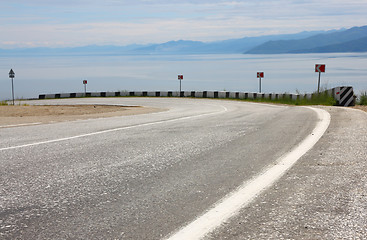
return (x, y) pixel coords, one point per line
(219, 47)
(359, 45)
(344, 40)
(351, 40)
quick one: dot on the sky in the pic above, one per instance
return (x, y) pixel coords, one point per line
(71, 23)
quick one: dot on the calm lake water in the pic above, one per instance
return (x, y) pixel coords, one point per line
(236, 72)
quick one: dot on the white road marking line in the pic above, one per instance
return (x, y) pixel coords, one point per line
(112, 130)
(232, 203)
(19, 125)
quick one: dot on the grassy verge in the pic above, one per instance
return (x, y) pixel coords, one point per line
(363, 99)
(6, 103)
(316, 99)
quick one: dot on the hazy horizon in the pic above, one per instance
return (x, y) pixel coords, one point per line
(178, 40)
(231, 72)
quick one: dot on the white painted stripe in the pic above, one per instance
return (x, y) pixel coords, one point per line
(231, 205)
(113, 130)
(19, 125)
(349, 102)
(346, 95)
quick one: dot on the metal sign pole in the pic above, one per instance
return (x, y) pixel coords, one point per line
(12, 87)
(260, 85)
(180, 78)
(259, 76)
(12, 75)
(319, 68)
(85, 87)
(180, 87)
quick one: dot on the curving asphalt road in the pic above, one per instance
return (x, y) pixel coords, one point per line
(145, 176)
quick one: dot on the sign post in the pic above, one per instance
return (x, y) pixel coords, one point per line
(180, 78)
(259, 76)
(85, 87)
(12, 75)
(319, 68)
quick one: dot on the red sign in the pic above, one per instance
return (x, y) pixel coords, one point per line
(180, 77)
(85, 82)
(260, 75)
(320, 68)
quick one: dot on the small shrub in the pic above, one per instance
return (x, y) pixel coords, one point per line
(363, 99)
(322, 98)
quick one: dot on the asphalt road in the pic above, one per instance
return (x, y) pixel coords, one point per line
(147, 176)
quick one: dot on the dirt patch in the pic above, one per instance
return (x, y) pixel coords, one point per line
(361, 107)
(11, 116)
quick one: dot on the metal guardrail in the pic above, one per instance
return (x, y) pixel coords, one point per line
(344, 96)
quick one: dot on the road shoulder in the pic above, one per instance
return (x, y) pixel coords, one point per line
(12, 116)
(322, 197)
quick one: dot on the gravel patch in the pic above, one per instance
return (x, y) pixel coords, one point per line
(11, 116)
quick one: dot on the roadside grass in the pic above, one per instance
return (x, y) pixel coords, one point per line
(316, 99)
(363, 99)
(6, 103)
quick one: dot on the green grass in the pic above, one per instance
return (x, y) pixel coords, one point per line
(363, 99)
(317, 99)
(5, 103)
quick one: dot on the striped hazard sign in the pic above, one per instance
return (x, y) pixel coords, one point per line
(344, 96)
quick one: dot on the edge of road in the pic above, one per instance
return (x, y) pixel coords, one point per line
(323, 196)
(249, 190)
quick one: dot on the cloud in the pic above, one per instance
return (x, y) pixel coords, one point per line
(120, 22)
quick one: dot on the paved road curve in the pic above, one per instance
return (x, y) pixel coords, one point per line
(137, 177)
